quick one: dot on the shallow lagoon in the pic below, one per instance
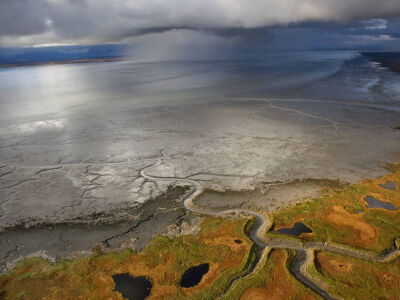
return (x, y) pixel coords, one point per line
(375, 203)
(297, 229)
(193, 275)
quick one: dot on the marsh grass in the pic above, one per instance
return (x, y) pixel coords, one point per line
(352, 278)
(314, 213)
(163, 262)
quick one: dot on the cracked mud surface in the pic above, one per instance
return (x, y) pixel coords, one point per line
(71, 240)
(35, 195)
(221, 145)
(72, 151)
(76, 169)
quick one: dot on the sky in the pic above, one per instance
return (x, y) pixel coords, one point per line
(159, 27)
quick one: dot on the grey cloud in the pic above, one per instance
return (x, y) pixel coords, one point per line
(93, 21)
(22, 17)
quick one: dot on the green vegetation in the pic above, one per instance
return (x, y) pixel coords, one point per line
(163, 262)
(353, 278)
(342, 217)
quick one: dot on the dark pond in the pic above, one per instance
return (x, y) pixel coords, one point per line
(238, 241)
(375, 203)
(193, 275)
(137, 288)
(390, 185)
(296, 230)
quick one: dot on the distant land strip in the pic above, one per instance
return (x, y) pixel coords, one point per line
(59, 62)
(390, 60)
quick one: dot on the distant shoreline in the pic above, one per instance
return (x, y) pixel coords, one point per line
(390, 60)
(61, 62)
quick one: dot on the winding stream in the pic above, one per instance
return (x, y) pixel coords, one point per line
(305, 251)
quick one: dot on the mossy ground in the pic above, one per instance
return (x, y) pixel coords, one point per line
(341, 216)
(163, 262)
(352, 278)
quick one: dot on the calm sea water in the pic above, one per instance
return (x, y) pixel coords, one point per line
(27, 91)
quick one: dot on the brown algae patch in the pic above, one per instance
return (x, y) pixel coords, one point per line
(163, 262)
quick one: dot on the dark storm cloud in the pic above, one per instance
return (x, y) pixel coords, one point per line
(93, 21)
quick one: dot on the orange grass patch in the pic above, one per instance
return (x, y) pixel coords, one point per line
(388, 279)
(333, 266)
(255, 294)
(338, 217)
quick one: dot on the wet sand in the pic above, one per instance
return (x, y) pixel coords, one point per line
(267, 196)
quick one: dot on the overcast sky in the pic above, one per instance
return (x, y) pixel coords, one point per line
(332, 23)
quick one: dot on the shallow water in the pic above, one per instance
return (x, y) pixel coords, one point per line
(297, 229)
(75, 88)
(132, 288)
(375, 203)
(193, 275)
(390, 185)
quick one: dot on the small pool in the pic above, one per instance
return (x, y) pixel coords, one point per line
(193, 275)
(132, 288)
(375, 203)
(297, 229)
(390, 185)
